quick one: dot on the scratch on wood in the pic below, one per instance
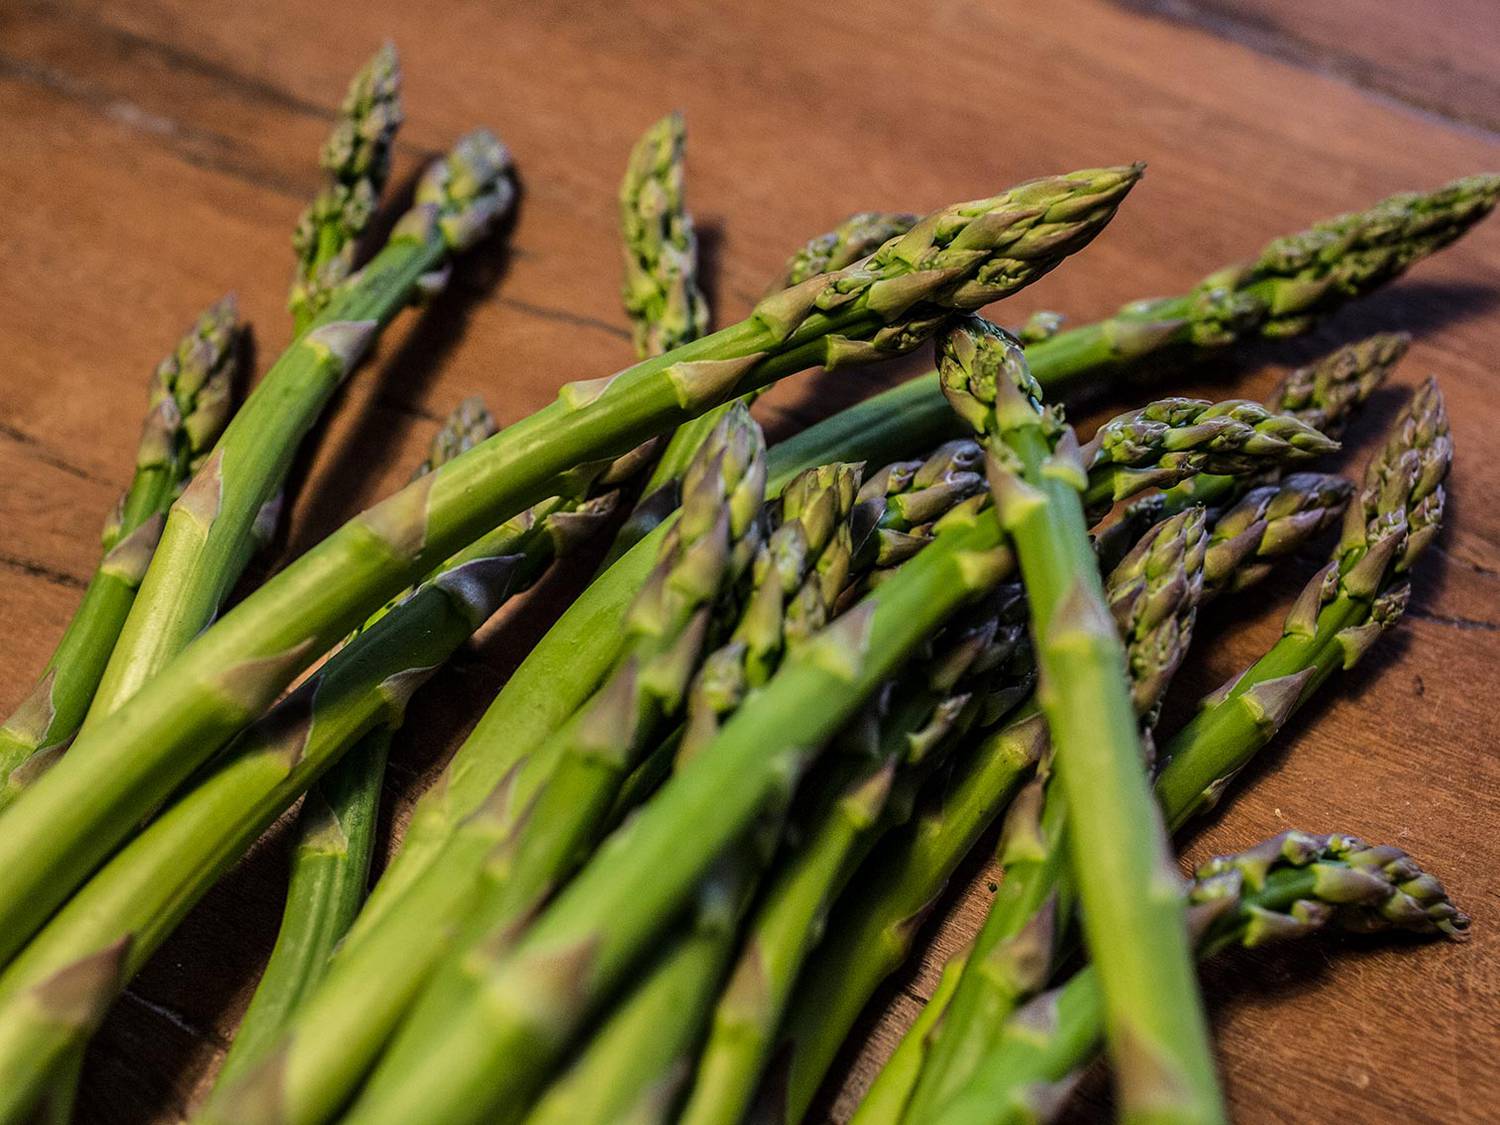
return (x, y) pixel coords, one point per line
(563, 316)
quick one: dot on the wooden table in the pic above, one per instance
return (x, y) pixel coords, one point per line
(156, 154)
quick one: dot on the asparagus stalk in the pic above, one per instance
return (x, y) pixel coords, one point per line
(1338, 616)
(189, 403)
(971, 672)
(1205, 756)
(536, 992)
(356, 161)
(1174, 439)
(634, 1066)
(956, 258)
(1133, 919)
(1287, 887)
(335, 835)
(205, 542)
(53, 993)
(1153, 596)
(346, 1023)
(890, 425)
(623, 1072)
(1297, 280)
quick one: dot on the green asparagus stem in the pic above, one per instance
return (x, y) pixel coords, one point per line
(1133, 917)
(335, 835)
(584, 764)
(890, 425)
(844, 245)
(1153, 596)
(347, 1023)
(956, 258)
(624, 1071)
(970, 673)
(886, 1099)
(356, 160)
(1339, 615)
(1290, 886)
(205, 543)
(1297, 280)
(189, 403)
(55, 990)
(536, 992)
(634, 1066)
(1205, 760)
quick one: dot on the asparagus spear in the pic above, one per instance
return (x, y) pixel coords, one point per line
(885, 427)
(1173, 439)
(1339, 615)
(189, 402)
(335, 834)
(1153, 596)
(955, 258)
(1133, 920)
(1297, 280)
(205, 542)
(623, 1072)
(53, 993)
(1206, 755)
(356, 161)
(335, 1039)
(536, 992)
(972, 671)
(1287, 887)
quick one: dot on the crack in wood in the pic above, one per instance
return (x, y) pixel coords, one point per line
(1469, 624)
(44, 453)
(45, 573)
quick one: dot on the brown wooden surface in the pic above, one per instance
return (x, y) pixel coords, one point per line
(156, 153)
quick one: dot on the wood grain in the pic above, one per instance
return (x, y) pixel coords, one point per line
(157, 153)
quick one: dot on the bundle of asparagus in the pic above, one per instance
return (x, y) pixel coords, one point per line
(708, 813)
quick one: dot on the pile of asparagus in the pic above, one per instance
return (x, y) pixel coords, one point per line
(709, 812)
